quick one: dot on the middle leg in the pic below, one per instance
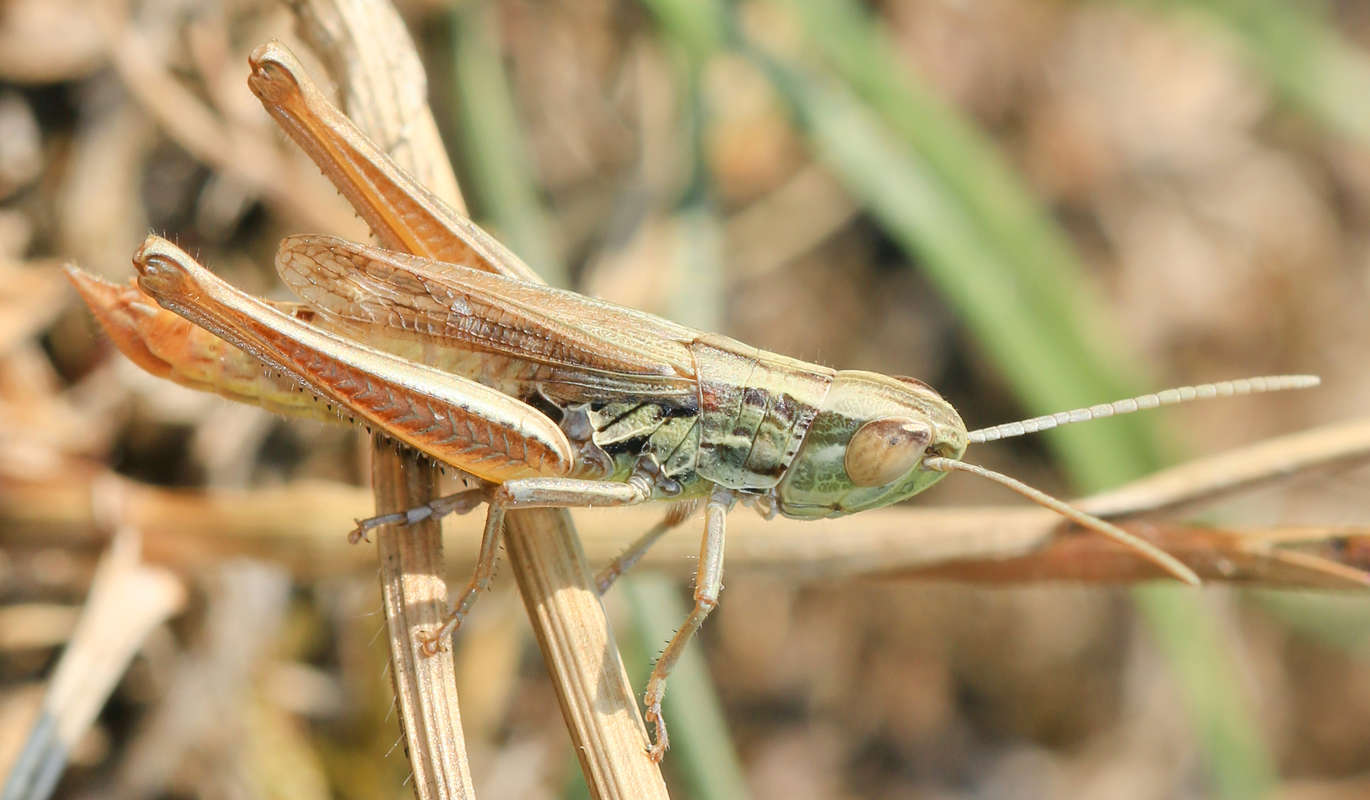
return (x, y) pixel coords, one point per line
(628, 558)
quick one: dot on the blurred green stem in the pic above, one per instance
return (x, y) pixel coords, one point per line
(494, 151)
(941, 191)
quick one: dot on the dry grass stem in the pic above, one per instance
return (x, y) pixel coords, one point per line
(1097, 197)
(413, 576)
(412, 573)
(985, 544)
(414, 599)
(597, 700)
(385, 94)
(1208, 478)
(245, 608)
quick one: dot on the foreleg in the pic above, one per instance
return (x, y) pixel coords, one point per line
(708, 585)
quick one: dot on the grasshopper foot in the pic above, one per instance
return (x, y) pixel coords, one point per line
(359, 533)
(433, 642)
(657, 750)
(456, 503)
(365, 526)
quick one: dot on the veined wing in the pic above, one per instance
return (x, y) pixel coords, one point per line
(384, 297)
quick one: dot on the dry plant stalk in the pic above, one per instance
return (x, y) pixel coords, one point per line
(981, 544)
(383, 88)
(412, 575)
(414, 598)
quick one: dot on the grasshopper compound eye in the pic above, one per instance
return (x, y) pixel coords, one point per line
(884, 449)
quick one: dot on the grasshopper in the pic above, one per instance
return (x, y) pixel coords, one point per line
(544, 397)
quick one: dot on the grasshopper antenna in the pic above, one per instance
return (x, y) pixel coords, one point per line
(1169, 397)
(1151, 552)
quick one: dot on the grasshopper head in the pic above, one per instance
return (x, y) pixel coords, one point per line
(866, 446)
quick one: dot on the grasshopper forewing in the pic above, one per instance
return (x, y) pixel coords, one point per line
(548, 397)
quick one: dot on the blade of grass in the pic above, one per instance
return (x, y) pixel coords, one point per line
(370, 54)
(597, 700)
(127, 600)
(1047, 355)
(597, 703)
(1050, 364)
(969, 172)
(1008, 275)
(982, 284)
(944, 196)
(1237, 755)
(698, 298)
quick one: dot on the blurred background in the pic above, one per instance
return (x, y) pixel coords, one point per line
(1029, 205)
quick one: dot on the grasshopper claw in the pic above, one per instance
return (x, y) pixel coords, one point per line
(431, 643)
(358, 534)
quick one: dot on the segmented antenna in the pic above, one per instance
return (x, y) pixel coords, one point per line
(1146, 549)
(1169, 397)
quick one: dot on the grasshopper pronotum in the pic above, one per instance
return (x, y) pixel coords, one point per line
(546, 397)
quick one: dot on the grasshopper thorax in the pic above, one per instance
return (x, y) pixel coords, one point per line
(866, 446)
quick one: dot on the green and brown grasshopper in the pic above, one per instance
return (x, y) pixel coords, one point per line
(545, 397)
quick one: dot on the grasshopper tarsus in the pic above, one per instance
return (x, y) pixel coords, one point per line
(656, 749)
(433, 642)
(358, 534)
(455, 503)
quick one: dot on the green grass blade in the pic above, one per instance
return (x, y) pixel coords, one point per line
(494, 152)
(1047, 356)
(968, 167)
(942, 193)
(1045, 353)
(1237, 757)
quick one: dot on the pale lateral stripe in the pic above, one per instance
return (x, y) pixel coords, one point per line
(1169, 397)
